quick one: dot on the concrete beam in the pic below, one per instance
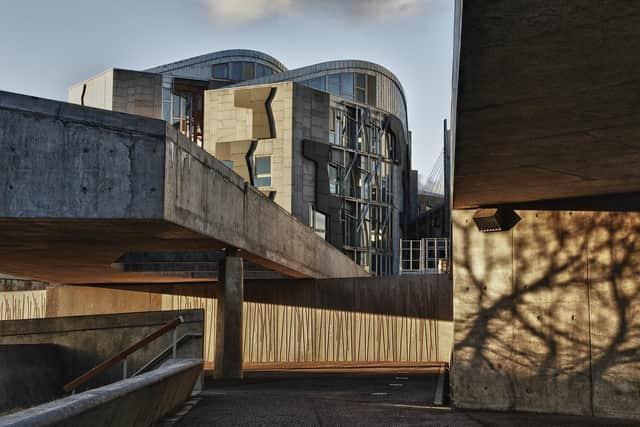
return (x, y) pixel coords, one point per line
(80, 187)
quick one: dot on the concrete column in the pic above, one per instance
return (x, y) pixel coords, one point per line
(230, 294)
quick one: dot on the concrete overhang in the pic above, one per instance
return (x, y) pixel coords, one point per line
(546, 100)
(80, 187)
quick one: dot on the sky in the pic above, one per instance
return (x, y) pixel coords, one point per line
(50, 45)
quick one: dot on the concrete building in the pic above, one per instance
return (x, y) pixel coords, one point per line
(545, 126)
(329, 142)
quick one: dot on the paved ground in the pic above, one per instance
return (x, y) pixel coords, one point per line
(362, 397)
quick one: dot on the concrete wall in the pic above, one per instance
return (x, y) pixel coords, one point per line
(392, 319)
(30, 374)
(65, 161)
(138, 401)
(86, 341)
(547, 314)
(126, 91)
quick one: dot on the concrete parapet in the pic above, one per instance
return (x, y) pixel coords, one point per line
(137, 401)
(116, 183)
(85, 341)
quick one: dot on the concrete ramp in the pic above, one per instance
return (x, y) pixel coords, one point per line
(137, 401)
(80, 187)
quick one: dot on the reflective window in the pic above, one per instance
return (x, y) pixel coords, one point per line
(268, 71)
(221, 71)
(361, 87)
(333, 84)
(236, 71)
(228, 163)
(248, 72)
(334, 184)
(318, 83)
(259, 70)
(166, 104)
(347, 85)
(262, 172)
(318, 221)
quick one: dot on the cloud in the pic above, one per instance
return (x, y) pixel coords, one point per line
(239, 12)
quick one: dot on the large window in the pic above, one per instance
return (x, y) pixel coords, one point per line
(236, 71)
(318, 83)
(346, 86)
(262, 172)
(333, 84)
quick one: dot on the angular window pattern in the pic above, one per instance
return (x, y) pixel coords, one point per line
(360, 173)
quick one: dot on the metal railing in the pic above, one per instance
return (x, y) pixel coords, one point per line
(430, 255)
(122, 356)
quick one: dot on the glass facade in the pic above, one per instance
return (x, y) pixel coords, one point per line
(361, 174)
(358, 87)
(238, 71)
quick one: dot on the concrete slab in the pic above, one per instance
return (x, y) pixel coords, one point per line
(546, 108)
(80, 187)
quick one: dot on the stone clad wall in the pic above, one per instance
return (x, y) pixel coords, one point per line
(547, 315)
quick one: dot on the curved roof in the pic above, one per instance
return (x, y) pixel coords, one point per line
(220, 56)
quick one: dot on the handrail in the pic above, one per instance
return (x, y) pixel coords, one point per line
(164, 352)
(72, 385)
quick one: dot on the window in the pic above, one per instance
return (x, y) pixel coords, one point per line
(228, 163)
(317, 83)
(334, 182)
(361, 88)
(236, 71)
(268, 71)
(259, 70)
(332, 126)
(333, 84)
(166, 104)
(221, 71)
(248, 71)
(347, 85)
(262, 172)
(318, 221)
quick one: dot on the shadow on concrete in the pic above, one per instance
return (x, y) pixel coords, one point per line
(547, 314)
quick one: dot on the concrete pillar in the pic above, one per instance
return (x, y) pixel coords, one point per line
(230, 294)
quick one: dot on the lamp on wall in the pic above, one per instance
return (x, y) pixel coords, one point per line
(495, 219)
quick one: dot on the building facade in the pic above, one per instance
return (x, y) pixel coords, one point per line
(328, 142)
